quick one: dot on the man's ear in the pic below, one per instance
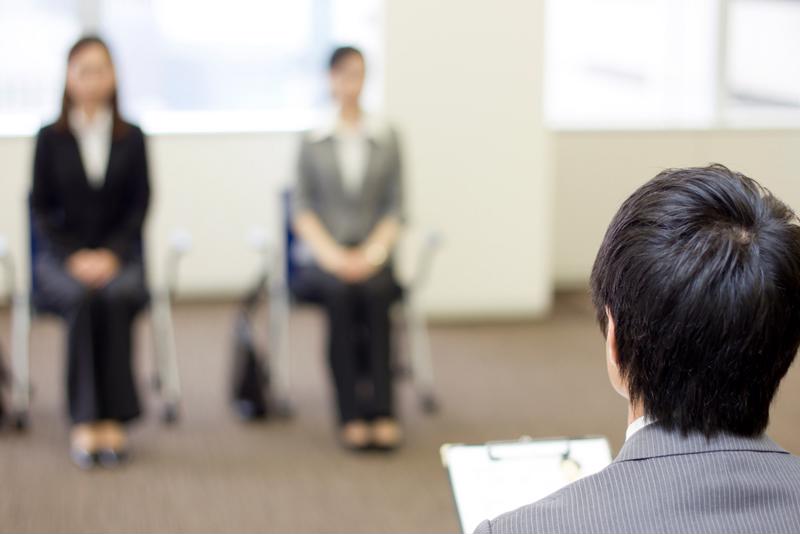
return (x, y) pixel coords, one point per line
(612, 356)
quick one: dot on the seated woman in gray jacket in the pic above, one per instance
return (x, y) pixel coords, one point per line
(348, 205)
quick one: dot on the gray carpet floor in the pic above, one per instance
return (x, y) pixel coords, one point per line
(214, 473)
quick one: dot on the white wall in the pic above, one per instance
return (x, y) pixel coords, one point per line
(463, 85)
(15, 162)
(464, 82)
(218, 187)
(596, 171)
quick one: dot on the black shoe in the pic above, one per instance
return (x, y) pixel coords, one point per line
(110, 458)
(83, 459)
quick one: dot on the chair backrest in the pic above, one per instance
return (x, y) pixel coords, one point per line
(34, 247)
(296, 254)
(288, 234)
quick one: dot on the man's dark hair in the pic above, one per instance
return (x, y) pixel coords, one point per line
(341, 53)
(700, 271)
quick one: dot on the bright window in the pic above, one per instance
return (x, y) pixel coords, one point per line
(193, 65)
(763, 61)
(672, 63)
(32, 62)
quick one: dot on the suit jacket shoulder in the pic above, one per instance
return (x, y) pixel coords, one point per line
(664, 482)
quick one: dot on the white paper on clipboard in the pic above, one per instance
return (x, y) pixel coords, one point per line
(489, 480)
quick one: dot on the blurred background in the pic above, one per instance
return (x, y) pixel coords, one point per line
(525, 124)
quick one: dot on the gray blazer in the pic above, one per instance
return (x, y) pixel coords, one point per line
(349, 217)
(662, 482)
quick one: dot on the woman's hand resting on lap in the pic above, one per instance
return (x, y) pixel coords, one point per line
(94, 268)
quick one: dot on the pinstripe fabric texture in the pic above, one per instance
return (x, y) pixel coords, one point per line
(664, 482)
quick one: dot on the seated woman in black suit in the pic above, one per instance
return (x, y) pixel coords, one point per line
(348, 209)
(89, 200)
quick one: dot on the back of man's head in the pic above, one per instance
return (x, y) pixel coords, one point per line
(700, 271)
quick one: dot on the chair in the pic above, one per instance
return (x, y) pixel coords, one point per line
(5, 374)
(27, 306)
(284, 260)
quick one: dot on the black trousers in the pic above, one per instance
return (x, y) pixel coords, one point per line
(100, 383)
(358, 338)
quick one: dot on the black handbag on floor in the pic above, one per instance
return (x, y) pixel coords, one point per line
(250, 387)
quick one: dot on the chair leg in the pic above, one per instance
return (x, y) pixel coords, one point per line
(280, 361)
(20, 360)
(420, 356)
(170, 415)
(5, 378)
(167, 378)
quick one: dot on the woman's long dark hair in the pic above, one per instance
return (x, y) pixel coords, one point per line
(62, 123)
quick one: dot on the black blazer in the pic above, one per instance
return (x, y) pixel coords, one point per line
(71, 214)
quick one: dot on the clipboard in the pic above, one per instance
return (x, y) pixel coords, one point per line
(500, 476)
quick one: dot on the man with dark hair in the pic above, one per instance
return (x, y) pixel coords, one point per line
(697, 290)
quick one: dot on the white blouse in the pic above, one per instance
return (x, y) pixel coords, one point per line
(352, 151)
(94, 142)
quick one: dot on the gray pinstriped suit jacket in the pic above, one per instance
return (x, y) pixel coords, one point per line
(662, 482)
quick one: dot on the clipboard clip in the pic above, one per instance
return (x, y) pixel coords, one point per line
(492, 445)
(569, 465)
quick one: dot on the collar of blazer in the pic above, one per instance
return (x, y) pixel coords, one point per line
(375, 128)
(655, 441)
